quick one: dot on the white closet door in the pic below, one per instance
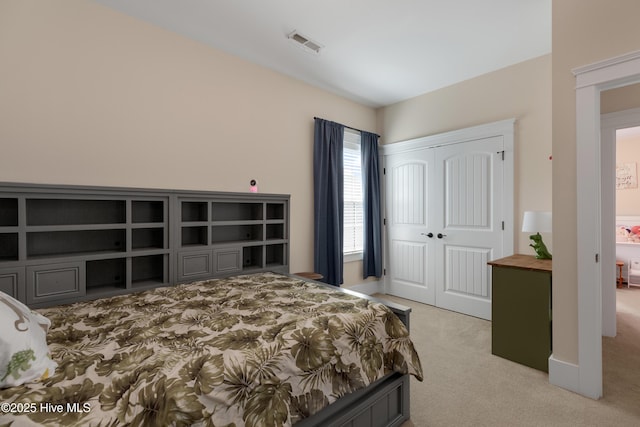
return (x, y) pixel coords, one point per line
(469, 220)
(444, 223)
(412, 261)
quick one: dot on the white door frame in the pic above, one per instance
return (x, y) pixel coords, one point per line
(590, 81)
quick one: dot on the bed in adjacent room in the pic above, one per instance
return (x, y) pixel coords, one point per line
(262, 349)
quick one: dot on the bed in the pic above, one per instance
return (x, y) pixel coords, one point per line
(262, 349)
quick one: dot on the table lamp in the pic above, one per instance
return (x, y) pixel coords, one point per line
(536, 222)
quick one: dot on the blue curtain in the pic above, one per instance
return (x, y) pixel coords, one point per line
(328, 200)
(372, 252)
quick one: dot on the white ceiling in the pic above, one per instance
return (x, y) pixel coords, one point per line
(376, 52)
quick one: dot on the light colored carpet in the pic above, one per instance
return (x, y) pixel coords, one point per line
(465, 385)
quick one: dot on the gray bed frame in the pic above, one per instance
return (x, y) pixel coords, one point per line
(385, 403)
(63, 244)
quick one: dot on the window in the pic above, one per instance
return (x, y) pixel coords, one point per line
(353, 202)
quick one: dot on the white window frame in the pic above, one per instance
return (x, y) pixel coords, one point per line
(352, 142)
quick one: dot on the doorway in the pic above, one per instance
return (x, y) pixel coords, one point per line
(592, 260)
(615, 128)
(621, 305)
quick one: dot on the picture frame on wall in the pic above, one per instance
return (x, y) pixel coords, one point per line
(626, 176)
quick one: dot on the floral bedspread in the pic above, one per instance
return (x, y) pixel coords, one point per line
(253, 350)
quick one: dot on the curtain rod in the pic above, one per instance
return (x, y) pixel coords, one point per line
(348, 127)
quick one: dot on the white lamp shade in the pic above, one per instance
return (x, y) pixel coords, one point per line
(537, 222)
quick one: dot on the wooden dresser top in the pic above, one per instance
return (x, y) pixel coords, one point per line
(527, 262)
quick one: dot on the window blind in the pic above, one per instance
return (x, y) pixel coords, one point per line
(353, 201)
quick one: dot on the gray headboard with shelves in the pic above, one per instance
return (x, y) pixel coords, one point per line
(61, 244)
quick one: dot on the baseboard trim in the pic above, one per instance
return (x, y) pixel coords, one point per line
(368, 288)
(564, 374)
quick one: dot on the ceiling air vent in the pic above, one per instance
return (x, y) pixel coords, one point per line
(305, 42)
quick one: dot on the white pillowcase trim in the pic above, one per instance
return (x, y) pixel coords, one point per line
(24, 355)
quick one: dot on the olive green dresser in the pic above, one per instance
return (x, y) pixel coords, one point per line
(521, 310)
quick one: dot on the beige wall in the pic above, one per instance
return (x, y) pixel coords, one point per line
(628, 199)
(91, 96)
(522, 91)
(584, 32)
(620, 99)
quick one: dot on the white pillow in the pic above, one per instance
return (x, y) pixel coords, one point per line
(24, 355)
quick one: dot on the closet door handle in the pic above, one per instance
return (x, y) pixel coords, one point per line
(440, 235)
(429, 235)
